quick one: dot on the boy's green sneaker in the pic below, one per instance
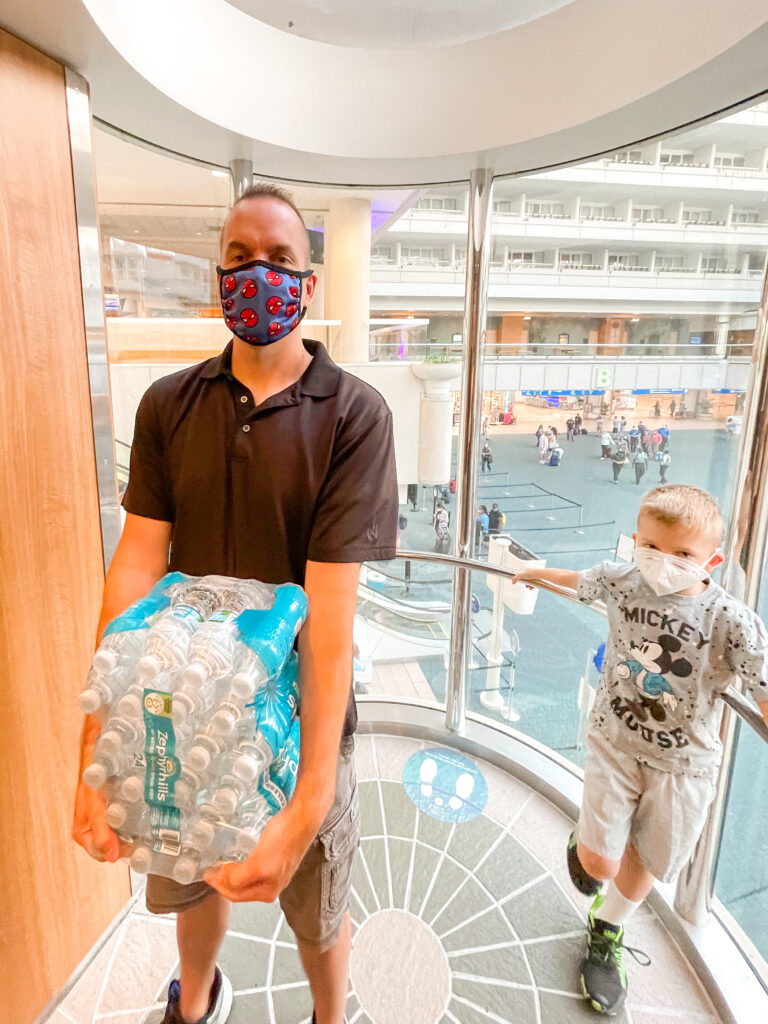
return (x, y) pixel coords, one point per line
(585, 883)
(603, 974)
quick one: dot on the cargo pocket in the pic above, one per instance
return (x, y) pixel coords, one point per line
(339, 841)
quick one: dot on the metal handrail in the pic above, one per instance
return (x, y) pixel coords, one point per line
(730, 696)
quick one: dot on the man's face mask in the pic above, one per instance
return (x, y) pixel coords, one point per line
(669, 574)
(261, 300)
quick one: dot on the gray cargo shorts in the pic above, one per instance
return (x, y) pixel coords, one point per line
(317, 898)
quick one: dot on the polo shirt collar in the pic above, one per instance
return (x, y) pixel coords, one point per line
(320, 379)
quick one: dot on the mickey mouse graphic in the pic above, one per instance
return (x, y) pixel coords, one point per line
(647, 665)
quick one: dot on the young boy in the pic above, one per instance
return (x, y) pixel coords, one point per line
(676, 640)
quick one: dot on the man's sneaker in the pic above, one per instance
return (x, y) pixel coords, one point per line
(586, 884)
(219, 1003)
(603, 974)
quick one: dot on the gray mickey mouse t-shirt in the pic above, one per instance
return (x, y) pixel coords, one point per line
(666, 660)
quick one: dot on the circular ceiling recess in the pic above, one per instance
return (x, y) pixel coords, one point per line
(396, 24)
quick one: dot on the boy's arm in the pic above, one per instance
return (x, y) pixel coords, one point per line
(560, 577)
(140, 561)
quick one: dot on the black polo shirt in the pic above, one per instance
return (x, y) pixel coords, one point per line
(257, 491)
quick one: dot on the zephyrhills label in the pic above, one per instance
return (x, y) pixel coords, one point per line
(163, 766)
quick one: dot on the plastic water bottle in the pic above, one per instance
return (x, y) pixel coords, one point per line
(103, 689)
(274, 710)
(213, 647)
(131, 789)
(266, 639)
(232, 791)
(206, 746)
(105, 763)
(168, 639)
(197, 849)
(127, 818)
(125, 634)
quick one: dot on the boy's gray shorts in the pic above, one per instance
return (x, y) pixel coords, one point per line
(660, 813)
(317, 897)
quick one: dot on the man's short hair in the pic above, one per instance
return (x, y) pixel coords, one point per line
(268, 190)
(681, 503)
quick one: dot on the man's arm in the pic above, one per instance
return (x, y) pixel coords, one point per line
(325, 648)
(140, 561)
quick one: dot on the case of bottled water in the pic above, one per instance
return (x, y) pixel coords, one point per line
(196, 688)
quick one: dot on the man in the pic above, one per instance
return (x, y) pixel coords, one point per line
(221, 453)
(570, 425)
(496, 519)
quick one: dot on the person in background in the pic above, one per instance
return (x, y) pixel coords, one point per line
(496, 519)
(641, 465)
(622, 426)
(645, 440)
(682, 410)
(599, 425)
(539, 432)
(402, 522)
(664, 431)
(616, 425)
(655, 442)
(664, 463)
(486, 458)
(486, 424)
(634, 438)
(553, 437)
(481, 526)
(672, 407)
(606, 441)
(412, 495)
(657, 409)
(577, 422)
(653, 746)
(543, 445)
(570, 425)
(618, 460)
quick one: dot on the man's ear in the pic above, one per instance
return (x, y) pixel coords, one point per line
(310, 283)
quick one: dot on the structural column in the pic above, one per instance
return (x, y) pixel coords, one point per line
(475, 309)
(57, 901)
(348, 276)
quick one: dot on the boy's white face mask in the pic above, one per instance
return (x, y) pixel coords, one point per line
(669, 574)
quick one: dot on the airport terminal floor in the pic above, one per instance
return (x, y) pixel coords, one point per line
(455, 922)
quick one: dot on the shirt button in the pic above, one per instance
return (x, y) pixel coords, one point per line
(246, 428)
(243, 398)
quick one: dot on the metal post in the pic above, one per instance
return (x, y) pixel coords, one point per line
(79, 117)
(475, 302)
(242, 175)
(745, 552)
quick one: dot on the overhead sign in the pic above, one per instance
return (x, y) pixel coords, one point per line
(564, 394)
(659, 391)
(728, 391)
(603, 376)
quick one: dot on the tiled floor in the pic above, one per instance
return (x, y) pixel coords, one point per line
(455, 923)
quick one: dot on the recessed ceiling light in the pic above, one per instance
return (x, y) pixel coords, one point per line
(527, 318)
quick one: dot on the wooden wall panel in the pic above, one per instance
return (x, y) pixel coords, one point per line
(54, 900)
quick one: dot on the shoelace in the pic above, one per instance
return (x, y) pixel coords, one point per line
(603, 948)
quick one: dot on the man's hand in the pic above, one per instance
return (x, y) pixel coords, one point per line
(271, 866)
(90, 829)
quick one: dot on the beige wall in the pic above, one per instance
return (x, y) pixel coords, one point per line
(55, 900)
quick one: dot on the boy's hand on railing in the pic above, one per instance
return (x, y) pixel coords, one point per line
(524, 575)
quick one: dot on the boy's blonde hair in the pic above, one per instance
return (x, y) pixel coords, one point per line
(680, 503)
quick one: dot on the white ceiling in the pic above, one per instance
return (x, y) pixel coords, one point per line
(396, 24)
(592, 76)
